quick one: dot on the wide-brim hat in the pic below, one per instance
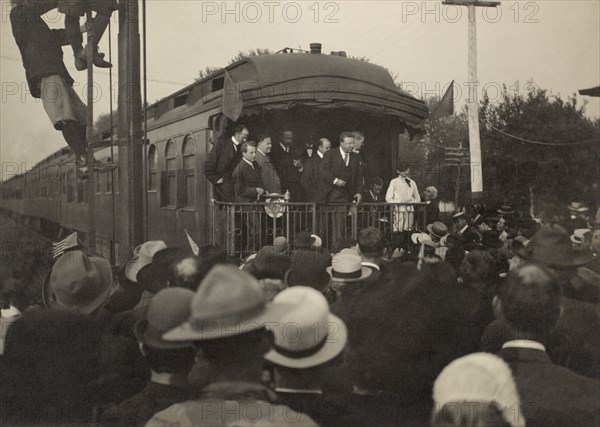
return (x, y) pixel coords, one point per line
(79, 282)
(348, 268)
(155, 275)
(505, 210)
(274, 207)
(578, 207)
(169, 308)
(437, 229)
(228, 302)
(304, 240)
(309, 310)
(142, 256)
(578, 236)
(551, 245)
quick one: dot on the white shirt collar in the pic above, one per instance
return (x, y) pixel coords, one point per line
(462, 230)
(235, 141)
(284, 147)
(247, 161)
(261, 152)
(343, 153)
(534, 345)
(320, 154)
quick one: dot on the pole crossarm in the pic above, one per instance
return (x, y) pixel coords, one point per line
(471, 3)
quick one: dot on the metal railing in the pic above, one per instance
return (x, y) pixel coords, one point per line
(243, 228)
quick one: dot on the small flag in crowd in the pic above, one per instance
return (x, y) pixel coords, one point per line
(446, 105)
(193, 245)
(69, 242)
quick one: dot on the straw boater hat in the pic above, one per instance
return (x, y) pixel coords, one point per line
(142, 256)
(578, 236)
(480, 377)
(346, 267)
(578, 207)
(228, 302)
(437, 229)
(78, 282)
(168, 309)
(302, 337)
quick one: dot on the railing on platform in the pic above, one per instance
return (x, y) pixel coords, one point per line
(243, 228)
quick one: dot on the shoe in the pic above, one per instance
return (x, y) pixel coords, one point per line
(103, 167)
(81, 60)
(82, 168)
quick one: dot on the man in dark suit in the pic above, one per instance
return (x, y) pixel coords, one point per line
(371, 247)
(433, 210)
(281, 155)
(462, 228)
(340, 181)
(248, 186)
(312, 165)
(221, 162)
(552, 395)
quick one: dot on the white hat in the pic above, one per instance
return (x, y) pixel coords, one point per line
(578, 235)
(142, 256)
(480, 377)
(420, 238)
(308, 334)
(347, 267)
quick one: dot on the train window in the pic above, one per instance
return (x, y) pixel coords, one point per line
(70, 190)
(98, 183)
(171, 175)
(189, 170)
(152, 168)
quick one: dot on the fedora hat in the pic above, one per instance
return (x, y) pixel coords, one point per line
(79, 282)
(578, 207)
(437, 229)
(347, 267)
(578, 235)
(304, 240)
(142, 256)
(228, 302)
(308, 334)
(157, 273)
(168, 309)
(551, 245)
(505, 210)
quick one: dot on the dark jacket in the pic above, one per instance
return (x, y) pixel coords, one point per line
(40, 47)
(138, 409)
(310, 176)
(246, 179)
(333, 167)
(284, 164)
(552, 395)
(220, 163)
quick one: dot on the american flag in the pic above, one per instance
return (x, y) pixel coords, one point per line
(69, 242)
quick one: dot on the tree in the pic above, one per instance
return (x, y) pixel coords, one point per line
(209, 71)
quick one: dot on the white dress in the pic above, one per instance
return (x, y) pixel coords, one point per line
(400, 191)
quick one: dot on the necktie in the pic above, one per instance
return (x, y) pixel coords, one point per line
(407, 181)
(346, 158)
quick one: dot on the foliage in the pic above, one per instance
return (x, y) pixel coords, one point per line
(209, 71)
(557, 174)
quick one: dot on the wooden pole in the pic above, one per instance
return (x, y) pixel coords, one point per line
(131, 215)
(91, 181)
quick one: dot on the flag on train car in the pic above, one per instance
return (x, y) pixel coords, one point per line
(446, 105)
(232, 103)
(193, 245)
(69, 242)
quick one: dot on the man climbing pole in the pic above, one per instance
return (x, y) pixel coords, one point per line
(48, 78)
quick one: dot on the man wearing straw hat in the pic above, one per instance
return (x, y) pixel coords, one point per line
(228, 318)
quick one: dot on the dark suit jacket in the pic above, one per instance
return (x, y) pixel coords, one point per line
(368, 198)
(331, 168)
(550, 394)
(433, 211)
(310, 176)
(246, 179)
(283, 163)
(220, 163)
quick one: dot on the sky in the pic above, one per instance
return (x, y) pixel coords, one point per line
(554, 45)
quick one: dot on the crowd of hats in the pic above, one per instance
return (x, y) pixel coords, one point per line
(172, 300)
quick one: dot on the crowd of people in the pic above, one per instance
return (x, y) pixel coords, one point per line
(490, 318)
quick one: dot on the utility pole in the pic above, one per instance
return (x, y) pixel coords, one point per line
(130, 136)
(473, 100)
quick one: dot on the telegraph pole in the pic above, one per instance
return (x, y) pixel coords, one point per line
(473, 100)
(130, 135)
